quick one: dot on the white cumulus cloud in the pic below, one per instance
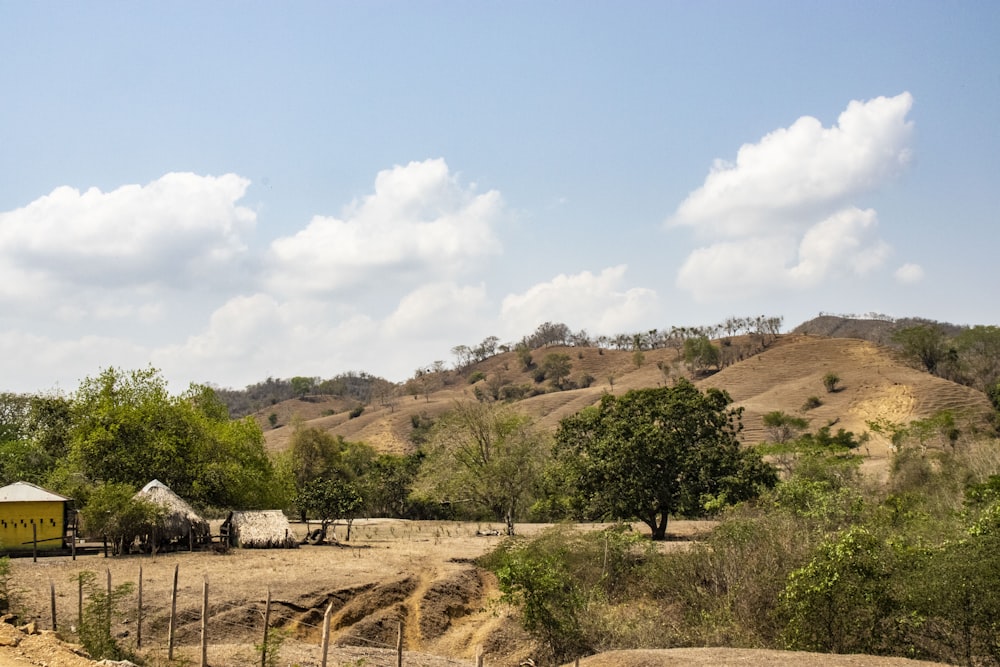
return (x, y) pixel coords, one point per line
(176, 229)
(782, 215)
(420, 223)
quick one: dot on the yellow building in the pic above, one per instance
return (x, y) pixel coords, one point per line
(28, 513)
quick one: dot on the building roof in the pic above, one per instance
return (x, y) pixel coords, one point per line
(25, 492)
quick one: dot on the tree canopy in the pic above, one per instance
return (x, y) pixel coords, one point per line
(486, 455)
(655, 452)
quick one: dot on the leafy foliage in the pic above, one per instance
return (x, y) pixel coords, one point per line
(99, 613)
(486, 456)
(114, 513)
(782, 427)
(655, 452)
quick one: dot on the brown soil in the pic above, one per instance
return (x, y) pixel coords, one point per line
(416, 572)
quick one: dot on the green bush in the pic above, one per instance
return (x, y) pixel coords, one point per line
(554, 577)
(356, 412)
(842, 601)
(100, 612)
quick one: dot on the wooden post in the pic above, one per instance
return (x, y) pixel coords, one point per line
(138, 615)
(267, 620)
(204, 623)
(172, 627)
(399, 645)
(52, 599)
(79, 603)
(105, 546)
(479, 656)
(34, 542)
(191, 539)
(326, 632)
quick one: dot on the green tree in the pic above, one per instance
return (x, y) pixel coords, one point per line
(923, 344)
(302, 385)
(557, 368)
(655, 452)
(487, 456)
(314, 453)
(782, 427)
(127, 429)
(830, 382)
(114, 513)
(329, 499)
(699, 353)
(388, 482)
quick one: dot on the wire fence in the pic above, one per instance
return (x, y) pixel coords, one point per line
(263, 623)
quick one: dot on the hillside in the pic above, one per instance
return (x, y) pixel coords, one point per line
(874, 384)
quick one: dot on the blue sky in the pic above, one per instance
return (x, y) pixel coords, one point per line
(235, 190)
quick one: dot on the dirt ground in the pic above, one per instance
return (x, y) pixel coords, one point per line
(419, 573)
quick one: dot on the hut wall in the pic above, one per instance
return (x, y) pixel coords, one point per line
(17, 519)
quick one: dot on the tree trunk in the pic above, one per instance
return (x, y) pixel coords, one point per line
(658, 529)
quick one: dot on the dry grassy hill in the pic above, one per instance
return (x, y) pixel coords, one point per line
(874, 384)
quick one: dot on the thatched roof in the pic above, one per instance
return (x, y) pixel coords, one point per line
(260, 529)
(179, 519)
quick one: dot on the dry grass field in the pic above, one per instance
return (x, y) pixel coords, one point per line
(419, 572)
(874, 384)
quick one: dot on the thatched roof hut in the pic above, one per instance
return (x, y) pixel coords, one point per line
(180, 522)
(259, 529)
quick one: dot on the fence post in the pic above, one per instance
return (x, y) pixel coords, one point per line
(326, 632)
(399, 645)
(138, 615)
(173, 618)
(79, 602)
(34, 542)
(52, 598)
(204, 623)
(479, 656)
(267, 620)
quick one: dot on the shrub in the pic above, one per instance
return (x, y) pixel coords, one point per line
(476, 377)
(812, 403)
(99, 613)
(830, 382)
(356, 412)
(842, 600)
